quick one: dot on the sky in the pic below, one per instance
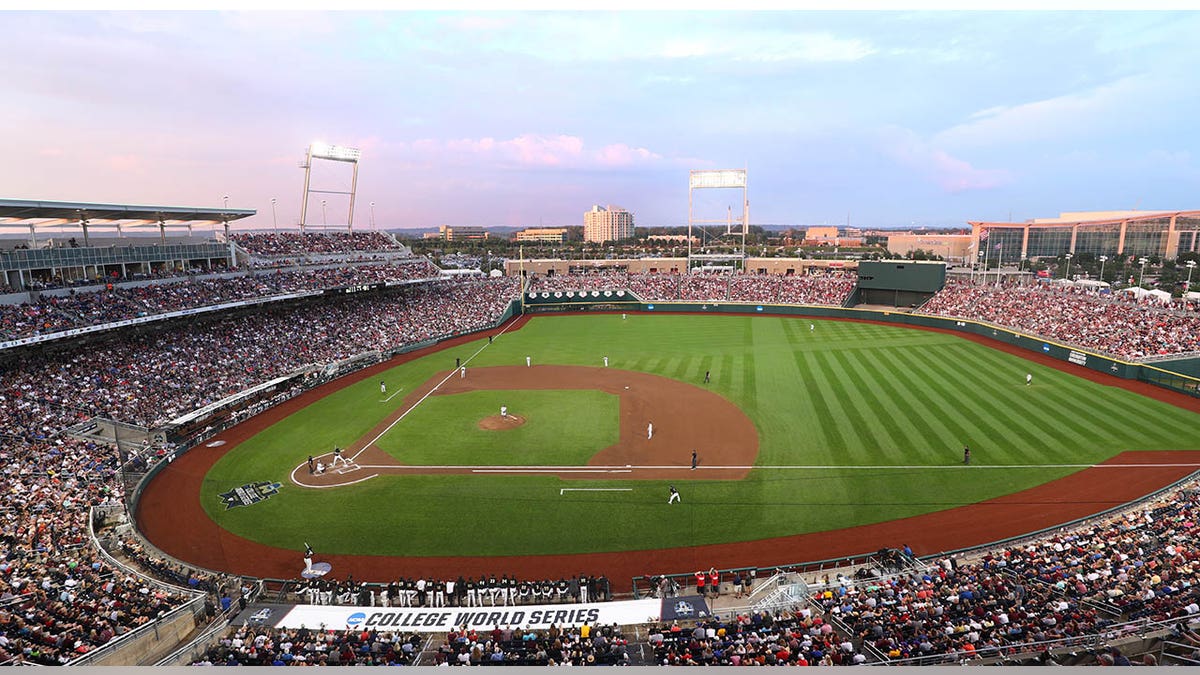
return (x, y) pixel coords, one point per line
(521, 118)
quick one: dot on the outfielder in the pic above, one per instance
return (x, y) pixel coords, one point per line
(674, 496)
(382, 387)
(1028, 379)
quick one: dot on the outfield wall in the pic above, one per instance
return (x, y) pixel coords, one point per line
(1106, 364)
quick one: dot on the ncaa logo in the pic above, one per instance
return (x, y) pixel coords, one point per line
(684, 608)
(355, 619)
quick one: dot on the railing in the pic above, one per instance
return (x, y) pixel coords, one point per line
(196, 647)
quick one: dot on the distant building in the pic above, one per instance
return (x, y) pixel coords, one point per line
(607, 224)
(553, 235)
(672, 238)
(948, 246)
(831, 236)
(1129, 233)
(462, 232)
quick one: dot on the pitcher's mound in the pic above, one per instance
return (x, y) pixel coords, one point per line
(497, 423)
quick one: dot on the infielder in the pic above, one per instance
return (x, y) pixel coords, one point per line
(606, 362)
(528, 362)
(462, 372)
(674, 496)
(649, 430)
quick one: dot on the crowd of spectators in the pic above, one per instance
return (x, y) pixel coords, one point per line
(828, 288)
(461, 592)
(262, 646)
(1141, 564)
(755, 639)
(54, 313)
(274, 244)
(59, 598)
(1114, 324)
(146, 380)
(584, 645)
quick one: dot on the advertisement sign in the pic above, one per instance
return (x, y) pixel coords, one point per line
(442, 619)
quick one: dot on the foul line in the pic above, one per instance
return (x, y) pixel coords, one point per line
(627, 468)
(562, 490)
(427, 394)
(390, 397)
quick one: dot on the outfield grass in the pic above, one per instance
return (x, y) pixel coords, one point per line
(561, 427)
(846, 394)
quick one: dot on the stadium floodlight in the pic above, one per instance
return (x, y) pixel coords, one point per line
(1068, 274)
(720, 178)
(1191, 265)
(334, 153)
(1103, 259)
(338, 153)
(1142, 276)
(705, 179)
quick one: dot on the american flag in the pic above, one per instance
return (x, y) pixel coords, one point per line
(983, 235)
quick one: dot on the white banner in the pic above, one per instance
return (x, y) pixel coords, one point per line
(442, 619)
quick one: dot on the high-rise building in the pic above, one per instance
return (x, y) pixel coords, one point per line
(607, 224)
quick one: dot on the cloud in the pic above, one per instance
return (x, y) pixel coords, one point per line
(1073, 115)
(952, 174)
(124, 162)
(535, 151)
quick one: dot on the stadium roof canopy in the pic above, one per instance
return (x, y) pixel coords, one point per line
(22, 211)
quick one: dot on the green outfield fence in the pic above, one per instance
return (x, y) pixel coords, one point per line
(1129, 370)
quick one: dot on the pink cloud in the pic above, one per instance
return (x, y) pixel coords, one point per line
(124, 162)
(952, 174)
(536, 150)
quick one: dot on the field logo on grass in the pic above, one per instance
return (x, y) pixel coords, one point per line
(250, 493)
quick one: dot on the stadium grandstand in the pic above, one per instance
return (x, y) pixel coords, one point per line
(158, 345)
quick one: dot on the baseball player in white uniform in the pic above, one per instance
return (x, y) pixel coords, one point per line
(606, 362)
(504, 411)
(462, 372)
(649, 430)
(528, 362)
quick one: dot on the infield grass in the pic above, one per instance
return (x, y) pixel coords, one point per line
(853, 395)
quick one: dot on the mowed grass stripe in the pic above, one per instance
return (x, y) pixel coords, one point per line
(943, 422)
(849, 408)
(891, 439)
(1056, 435)
(937, 386)
(999, 422)
(830, 426)
(903, 416)
(1078, 407)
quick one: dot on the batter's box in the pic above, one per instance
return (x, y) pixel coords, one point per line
(348, 469)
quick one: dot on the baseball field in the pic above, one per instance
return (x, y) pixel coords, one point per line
(805, 426)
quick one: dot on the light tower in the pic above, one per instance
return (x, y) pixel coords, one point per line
(718, 179)
(334, 153)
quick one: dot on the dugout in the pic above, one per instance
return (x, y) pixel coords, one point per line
(898, 283)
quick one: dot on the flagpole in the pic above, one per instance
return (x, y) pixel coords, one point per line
(999, 261)
(986, 254)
